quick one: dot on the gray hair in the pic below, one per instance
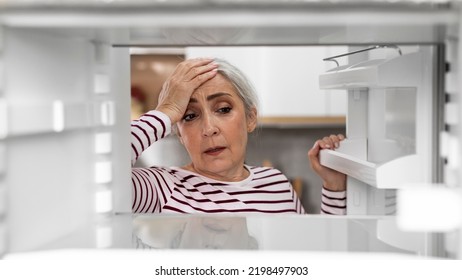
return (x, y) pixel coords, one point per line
(241, 83)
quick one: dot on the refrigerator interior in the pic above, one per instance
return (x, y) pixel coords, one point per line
(64, 121)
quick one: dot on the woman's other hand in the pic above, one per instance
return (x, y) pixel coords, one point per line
(332, 180)
(178, 88)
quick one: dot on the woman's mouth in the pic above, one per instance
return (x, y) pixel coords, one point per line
(214, 151)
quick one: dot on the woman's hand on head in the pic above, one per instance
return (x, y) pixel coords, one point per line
(178, 88)
(332, 180)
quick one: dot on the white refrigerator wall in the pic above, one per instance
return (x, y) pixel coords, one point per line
(64, 141)
(62, 152)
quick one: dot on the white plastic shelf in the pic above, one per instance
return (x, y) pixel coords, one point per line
(389, 175)
(57, 116)
(401, 71)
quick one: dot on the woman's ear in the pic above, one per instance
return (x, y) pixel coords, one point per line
(252, 120)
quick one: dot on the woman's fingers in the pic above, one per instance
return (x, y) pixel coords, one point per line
(178, 88)
(199, 70)
(192, 73)
(326, 143)
(184, 68)
(313, 155)
(331, 142)
(202, 78)
(335, 140)
(332, 180)
(313, 152)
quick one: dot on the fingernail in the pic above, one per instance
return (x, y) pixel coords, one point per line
(327, 146)
(336, 145)
(315, 144)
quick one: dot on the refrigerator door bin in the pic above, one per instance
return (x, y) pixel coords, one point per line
(400, 71)
(389, 175)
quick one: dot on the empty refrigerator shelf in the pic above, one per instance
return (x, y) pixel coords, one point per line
(389, 175)
(56, 116)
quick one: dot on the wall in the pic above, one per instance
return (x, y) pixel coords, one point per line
(285, 78)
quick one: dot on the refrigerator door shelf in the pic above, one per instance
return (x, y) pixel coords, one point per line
(389, 175)
(401, 71)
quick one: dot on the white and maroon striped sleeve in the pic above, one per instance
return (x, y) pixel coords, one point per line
(152, 188)
(149, 128)
(333, 203)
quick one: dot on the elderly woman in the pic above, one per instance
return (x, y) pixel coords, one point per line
(212, 106)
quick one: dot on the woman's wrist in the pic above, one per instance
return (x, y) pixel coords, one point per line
(335, 186)
(168, 112)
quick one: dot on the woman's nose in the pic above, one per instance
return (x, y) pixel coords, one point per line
(209, 126)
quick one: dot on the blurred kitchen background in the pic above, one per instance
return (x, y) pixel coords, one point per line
(293, 111)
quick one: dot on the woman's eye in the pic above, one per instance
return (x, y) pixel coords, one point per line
(224, 110)
(189, 117)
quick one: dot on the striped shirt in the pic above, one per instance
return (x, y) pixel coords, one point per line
(175, 190)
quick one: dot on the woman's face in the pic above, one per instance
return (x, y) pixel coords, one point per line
(214, 130)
